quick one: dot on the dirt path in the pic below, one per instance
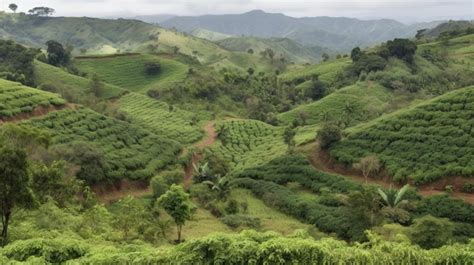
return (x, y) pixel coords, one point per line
(210, 139)
(323, 162)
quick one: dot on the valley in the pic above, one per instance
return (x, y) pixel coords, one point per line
(185, 142)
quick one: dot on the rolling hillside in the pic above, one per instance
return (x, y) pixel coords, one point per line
(69, 86)
(422, 144)
(340, 34)
(128, 150)
(283, 48)
(128, 71)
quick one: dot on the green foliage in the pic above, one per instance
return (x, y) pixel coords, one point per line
(17, 62)
(14, 185)
(447, 207)
(129, 151)
(401, 48)
(16, 99)
(176, 203)
(431, 232)
(161, 183)
(427, 142)
(328, 135)
(57, 54)
(238, 220)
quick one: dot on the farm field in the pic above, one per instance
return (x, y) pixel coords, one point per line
(70, 85)
(16, 99)
(128, 71)
(157, 116)
(129, 151)
(422, 144)
(246, 143)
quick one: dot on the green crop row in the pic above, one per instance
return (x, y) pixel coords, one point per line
(160, 118)
(246, 143)
(426, 143)
(131, 152)
(16, 98)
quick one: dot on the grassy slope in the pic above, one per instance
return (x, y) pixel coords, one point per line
(290, 50)
(326, 71)
(157, 117)
(46, 74)
(16, 98)
(129, 71)
(364, 100)
(426, 142)
(460, 48)
(209, 35)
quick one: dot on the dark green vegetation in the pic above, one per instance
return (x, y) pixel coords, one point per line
(211, 140)
(127, 151)
(17, 62)
(426, 143)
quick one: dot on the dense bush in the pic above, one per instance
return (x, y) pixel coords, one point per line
(17, 62)
(448, 207)
(238, 220)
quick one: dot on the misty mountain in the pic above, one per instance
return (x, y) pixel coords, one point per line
(337, 33)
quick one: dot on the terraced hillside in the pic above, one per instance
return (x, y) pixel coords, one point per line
(129, 151)
(128, 71)
(68, 85)
(422, 144)
(17, 99)
(160, 118)
(350, 105)
(246, 143)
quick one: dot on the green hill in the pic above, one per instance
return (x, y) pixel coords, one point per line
(130, 151)
(283, 48)
(422, 144)
(354, 104)
(110, 36)
(16, 99)
(326, 71)
(209, 35)
(68, 85)
(128, 71)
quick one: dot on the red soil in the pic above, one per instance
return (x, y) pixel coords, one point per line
(322, 161)
(37, 112)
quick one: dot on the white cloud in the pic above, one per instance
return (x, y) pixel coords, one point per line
(401, 9)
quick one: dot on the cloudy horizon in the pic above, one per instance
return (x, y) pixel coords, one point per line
(402, 10)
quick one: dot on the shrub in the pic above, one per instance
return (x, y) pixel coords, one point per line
(328, 135)
(152, 68)
(237, 220)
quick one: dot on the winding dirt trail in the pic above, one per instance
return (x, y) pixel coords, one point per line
(323, 162)
(210, 139)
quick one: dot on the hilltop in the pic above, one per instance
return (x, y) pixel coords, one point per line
(339, 34)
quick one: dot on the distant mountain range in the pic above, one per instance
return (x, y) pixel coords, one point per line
(336, 33)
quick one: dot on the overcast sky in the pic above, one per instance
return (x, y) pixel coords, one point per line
(405, 10)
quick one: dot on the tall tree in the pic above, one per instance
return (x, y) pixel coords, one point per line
(13, 7)
(177, 204)
(57, 55)
(41, 11)
(14, 189)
